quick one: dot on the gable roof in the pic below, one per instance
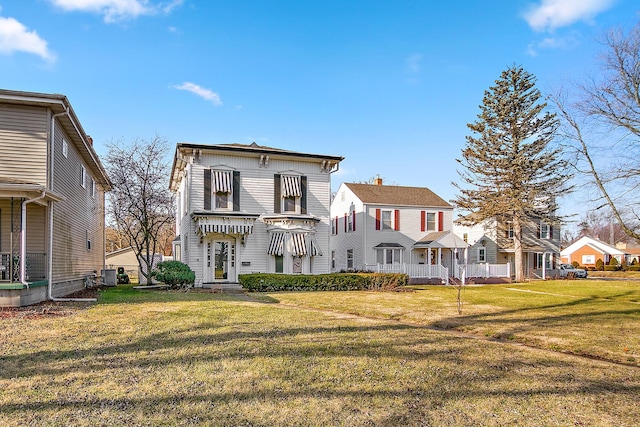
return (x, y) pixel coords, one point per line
(441, 239)
(598, 245)
(394, 195)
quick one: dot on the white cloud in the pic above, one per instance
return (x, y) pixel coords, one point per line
(551, 14)
(200, 91)
(117, 10)
(15, 37)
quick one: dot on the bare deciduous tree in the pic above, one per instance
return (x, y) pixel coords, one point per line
(141, 206)
(601, 129)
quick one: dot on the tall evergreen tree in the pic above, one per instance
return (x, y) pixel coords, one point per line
(511, 172)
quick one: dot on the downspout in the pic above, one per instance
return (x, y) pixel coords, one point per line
(50, 272)
(23, 238)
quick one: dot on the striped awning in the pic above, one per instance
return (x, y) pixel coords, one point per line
(299, 244)
(291, 186)
(276, 244)
(315, 247)
(222, 181)
(223, 225)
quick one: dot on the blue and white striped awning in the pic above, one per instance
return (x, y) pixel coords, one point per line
(291, 186)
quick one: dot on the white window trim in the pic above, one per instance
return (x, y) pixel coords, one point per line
(482, 255)
(83, 176)
(65, 148)
(545, 231)
(383, 225)
(434, 222)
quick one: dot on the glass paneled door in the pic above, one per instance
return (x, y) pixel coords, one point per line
(221, 261)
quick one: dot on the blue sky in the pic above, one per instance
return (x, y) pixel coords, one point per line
(389, 85)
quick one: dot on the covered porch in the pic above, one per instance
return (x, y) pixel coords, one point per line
(24, 241)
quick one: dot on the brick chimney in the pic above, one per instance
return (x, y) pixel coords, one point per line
(377, 180)
(90, 140)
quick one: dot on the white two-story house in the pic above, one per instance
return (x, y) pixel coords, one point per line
(393, 228)
(250, 208)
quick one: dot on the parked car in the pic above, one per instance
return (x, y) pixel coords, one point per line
(568, 270)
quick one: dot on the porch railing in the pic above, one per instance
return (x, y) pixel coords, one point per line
(487, 270)
(422, 271)
(35, 267)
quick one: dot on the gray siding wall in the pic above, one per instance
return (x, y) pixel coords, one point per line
(23, 143)
(77, 219)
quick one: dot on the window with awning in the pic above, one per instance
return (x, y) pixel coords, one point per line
(276, 244)
(222, 182)
(291, 186)
(299, 244)
(315, 247)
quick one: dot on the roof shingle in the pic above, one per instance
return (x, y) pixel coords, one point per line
(397, 195)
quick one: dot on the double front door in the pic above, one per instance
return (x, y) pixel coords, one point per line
(220, 261)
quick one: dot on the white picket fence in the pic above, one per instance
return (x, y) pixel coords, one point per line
(423, 271)
(431, 271)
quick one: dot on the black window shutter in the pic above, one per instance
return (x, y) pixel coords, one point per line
(303, 198)
(207, 189)
(236, 190)
(276, 193)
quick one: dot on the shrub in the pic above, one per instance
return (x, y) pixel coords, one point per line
(176, 274)
(613, 261)
(575, 264)
(633, 267)
(264, 282)
(599, 264)
(611, 268)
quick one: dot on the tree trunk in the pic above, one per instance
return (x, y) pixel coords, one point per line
(517, 247)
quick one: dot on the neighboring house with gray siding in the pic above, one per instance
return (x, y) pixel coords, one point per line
(52, 187)
(393, 228)
(492, 243)
(250, 208)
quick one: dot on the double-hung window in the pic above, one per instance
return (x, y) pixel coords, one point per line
(386, 220)
(350, 258)
(545, 231)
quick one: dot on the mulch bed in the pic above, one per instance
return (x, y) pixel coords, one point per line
(51, 308)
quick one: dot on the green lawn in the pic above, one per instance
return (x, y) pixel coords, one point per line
(188, 358)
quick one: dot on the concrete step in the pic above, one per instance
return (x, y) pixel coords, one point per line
(229, 287)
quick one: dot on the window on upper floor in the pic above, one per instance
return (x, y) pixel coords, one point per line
(83, 176)
(93, 188)
(431, 221)
(65, 148)
(290, 194)
(351, 221)
(545, 231)
(386, 220)
(222, 190)
(509, 230)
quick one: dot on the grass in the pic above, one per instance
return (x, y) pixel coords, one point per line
(594, 318)
(188, 358)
